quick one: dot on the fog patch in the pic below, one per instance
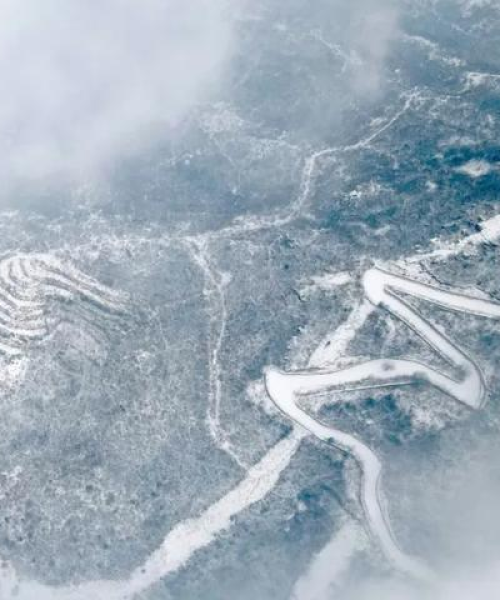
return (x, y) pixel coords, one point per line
(86, 82)
(372, 26)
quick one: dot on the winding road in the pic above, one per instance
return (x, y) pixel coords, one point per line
(384, 289)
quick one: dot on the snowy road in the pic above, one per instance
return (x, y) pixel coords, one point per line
(383, 290)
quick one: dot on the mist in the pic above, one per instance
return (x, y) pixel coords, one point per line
(86, 82)
(373, 27)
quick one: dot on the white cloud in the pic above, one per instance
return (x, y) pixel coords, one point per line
(86, 80)
(373, 25)
(478, 585)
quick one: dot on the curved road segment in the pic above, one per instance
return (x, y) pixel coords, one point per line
(383, 290)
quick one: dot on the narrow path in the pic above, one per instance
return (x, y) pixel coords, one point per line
(215, 284)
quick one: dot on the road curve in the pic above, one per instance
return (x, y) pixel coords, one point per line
(383, 289)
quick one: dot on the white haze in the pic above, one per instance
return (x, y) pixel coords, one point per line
(481, 584)
(85, 81)
(372, 26)
(461, 503)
